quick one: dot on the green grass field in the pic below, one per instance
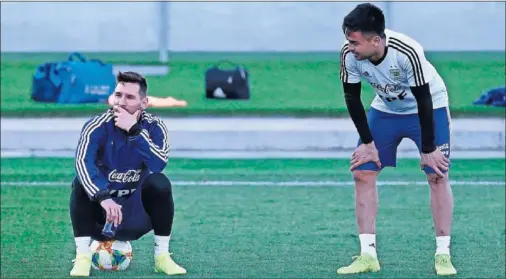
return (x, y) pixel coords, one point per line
(297, 84)
(245, 227)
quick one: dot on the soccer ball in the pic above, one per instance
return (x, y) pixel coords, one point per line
(111, 255)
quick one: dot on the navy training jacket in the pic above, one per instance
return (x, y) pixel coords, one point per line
(109, 162)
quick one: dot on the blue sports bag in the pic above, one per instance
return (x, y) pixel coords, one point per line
(74, 81)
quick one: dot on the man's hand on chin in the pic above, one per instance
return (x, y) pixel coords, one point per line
(123, 119)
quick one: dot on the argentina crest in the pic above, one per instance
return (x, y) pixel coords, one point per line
(395, 74)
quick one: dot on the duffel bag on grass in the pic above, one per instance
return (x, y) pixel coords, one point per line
(74, 81)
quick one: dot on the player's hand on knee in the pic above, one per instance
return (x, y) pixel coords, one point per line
(113, 211)
(363, 154)
(435, 160)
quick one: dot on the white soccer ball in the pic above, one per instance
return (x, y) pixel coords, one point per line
(111, 255)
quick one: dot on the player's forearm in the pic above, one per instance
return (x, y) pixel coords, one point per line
(154, 157)
(357, 111)
(426, 115)
(93, 183)
(154, 162)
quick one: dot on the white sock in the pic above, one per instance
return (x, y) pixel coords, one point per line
(83, 244)
(368, 244)
(161, 244)
(443, 245)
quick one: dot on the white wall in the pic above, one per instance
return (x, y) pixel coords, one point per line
(223, 26)
(452, 25)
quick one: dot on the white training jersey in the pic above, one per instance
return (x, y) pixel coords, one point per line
(403, 66)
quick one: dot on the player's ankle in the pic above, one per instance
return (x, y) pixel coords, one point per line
(443, 245)
(83, 245)
(161, 244)
(368, 244)
(370, 251)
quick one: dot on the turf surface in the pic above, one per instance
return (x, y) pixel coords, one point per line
(264, 231)
(297, 84)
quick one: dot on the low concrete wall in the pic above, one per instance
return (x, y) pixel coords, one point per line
(247, 135)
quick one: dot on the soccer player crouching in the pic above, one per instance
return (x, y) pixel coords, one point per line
(120, 157)
(411, 102)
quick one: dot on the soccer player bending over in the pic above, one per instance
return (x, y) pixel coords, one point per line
(119, 161)
(411, 102)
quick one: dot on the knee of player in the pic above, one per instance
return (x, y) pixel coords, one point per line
(159, 182)
(364, 177)
(436, 181)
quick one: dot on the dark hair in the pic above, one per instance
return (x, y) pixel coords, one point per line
(365, 18)
(133, 77)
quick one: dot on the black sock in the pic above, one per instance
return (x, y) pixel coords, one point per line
(158, 203)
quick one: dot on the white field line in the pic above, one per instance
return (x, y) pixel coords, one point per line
(232, 183)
